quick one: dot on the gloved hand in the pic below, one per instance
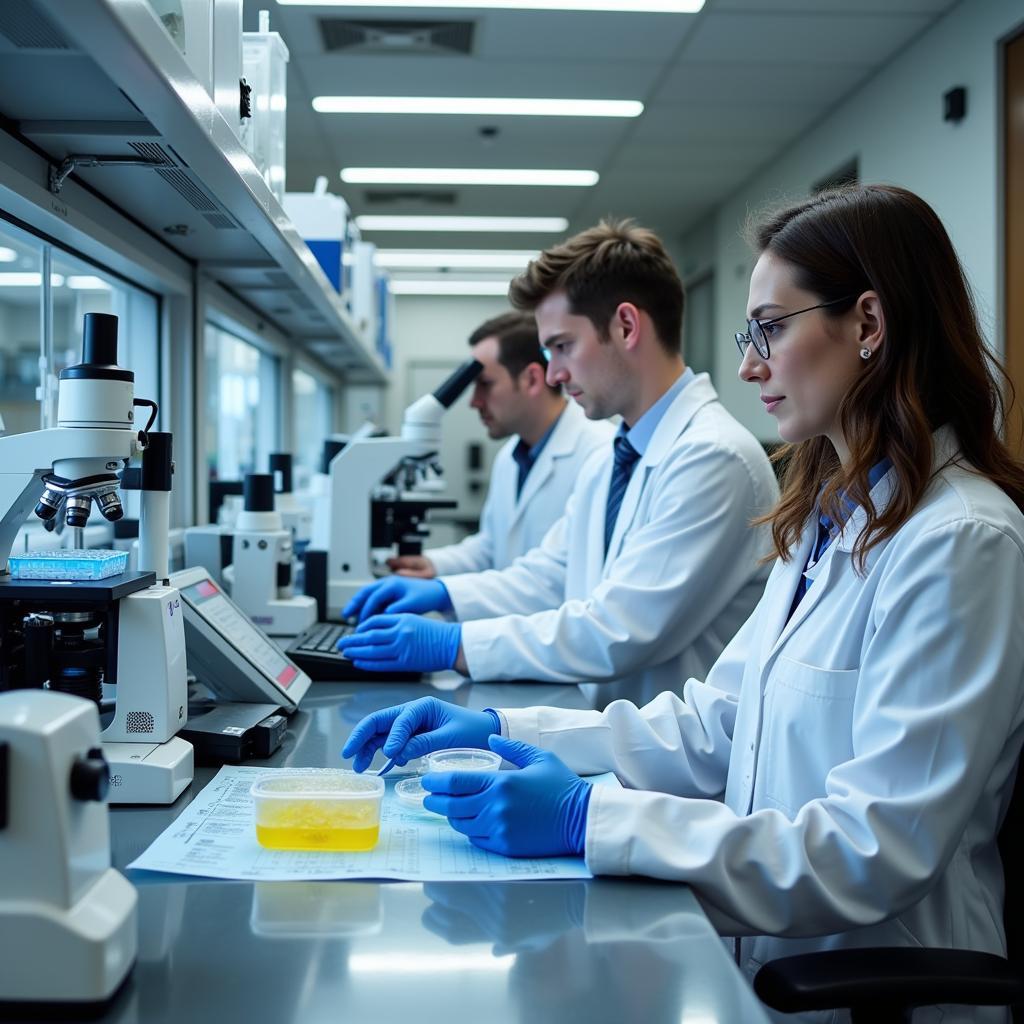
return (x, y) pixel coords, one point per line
(402, 643)
(516, 916)
(398, 594)
(408, 731)
(412, 565)
(540, 811)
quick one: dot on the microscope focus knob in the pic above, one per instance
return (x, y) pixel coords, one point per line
(90, 776)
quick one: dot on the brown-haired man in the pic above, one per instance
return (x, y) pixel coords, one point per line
(532, 475)
(654, 565)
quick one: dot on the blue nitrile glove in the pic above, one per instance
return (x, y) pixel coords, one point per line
(402, 643)
(399, 594)
(408, 731)
(540, 811)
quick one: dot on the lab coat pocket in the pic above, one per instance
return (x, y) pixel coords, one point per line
(807, 731)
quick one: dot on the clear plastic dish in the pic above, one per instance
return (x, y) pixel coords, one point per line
(68, 564)
(410, 793)
(319, 809)
(463, 759)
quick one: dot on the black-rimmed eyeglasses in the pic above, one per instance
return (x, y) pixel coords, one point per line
(757, 334)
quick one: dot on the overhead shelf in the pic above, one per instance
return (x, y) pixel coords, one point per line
(108, 81)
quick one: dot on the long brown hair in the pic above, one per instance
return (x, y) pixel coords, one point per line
(933, 369)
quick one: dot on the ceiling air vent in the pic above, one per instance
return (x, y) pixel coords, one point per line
(384, 197)
(395, 37)
(28, 29)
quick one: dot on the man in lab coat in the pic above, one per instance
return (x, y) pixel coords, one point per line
(654, 565)
(550, 439)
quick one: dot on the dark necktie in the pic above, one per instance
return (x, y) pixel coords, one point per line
(523, 459)
(626, 457)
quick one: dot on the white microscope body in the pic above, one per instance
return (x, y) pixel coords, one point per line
(71, 466)
(260, 574)
(67, 918)
(357, 475)
(296, 515)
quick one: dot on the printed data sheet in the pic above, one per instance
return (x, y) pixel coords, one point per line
(214, 837)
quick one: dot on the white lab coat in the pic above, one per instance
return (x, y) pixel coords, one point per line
(680, 578)
(510, 525)
(838, 780)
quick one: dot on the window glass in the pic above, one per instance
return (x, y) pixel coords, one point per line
(242, 405)
(21, 290)
(31, 358)
(313, 405)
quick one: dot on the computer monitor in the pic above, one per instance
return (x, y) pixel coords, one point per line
(228, 652)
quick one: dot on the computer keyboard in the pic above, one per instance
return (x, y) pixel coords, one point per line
(323, 638)
(316, 652)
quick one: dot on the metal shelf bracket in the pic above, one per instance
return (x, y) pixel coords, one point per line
(59, 173)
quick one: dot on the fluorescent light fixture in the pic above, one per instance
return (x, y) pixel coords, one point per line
(448, 286)
(88, 282)
(28, 279)
(486, 107)
(465, 176)
(628, 6)
(378, 222)
(7, 255)
(437, 259)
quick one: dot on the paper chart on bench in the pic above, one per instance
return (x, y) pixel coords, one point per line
(214, 837)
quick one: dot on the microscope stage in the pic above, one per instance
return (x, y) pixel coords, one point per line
(106, 591)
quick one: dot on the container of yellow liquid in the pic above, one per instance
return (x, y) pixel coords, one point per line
(318, 809)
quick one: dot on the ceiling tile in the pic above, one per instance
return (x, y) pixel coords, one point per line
(802, 38)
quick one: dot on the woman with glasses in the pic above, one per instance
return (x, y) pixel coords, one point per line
(840, 778)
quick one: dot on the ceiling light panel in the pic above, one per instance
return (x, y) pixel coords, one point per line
(448, 286)
(627, 6)
(383, 222)
(439, 259)
(476, 106)
(466, 176)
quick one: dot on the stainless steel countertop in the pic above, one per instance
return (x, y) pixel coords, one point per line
(607, 950)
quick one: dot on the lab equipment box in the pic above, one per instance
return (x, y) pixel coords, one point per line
(265, 62)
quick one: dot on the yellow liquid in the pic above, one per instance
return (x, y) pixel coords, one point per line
(339, 840)
(343, 826)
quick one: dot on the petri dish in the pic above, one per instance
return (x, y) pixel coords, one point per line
(320, 809)
(410, 793)
(463, 759)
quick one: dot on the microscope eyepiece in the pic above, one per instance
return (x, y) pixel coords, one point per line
(99, 339)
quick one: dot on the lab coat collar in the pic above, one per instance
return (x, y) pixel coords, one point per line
(945, 449)
(697, 393)
(561, 443)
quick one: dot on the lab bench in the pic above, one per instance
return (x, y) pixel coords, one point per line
(607, 950)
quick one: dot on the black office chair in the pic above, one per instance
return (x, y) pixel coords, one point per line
(885, 985)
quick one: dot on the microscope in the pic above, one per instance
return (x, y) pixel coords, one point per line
(212, 546)
(295, 515)
(127, 630)
(67, 918)
(260, 574)
(380, 492)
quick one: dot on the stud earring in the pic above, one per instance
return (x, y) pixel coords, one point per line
(865, 353)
